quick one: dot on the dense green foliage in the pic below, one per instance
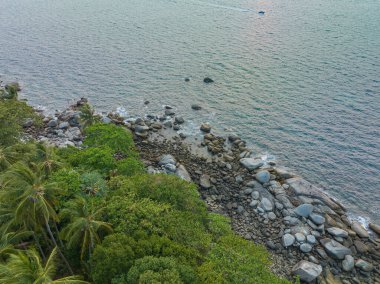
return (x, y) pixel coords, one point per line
(13, 114)
(94, 212)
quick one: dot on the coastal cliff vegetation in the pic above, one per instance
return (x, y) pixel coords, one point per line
(93, 215)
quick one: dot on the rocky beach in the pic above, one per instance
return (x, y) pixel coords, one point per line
(307, 232)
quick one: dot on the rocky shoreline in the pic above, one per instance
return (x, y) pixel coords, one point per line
(308, 232)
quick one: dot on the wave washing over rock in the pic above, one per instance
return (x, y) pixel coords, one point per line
(309, 233)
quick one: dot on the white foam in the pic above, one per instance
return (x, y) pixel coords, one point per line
(360, 219)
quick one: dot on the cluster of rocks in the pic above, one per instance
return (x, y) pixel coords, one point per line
(61, 130)
(168, 164)
(304, 227)
(308, 232)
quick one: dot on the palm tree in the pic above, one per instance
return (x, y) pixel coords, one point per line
(88, 116)
(27, 268)
(7, 157)
(9, 240)
(47, 158)
(83, 228)
(34, 199)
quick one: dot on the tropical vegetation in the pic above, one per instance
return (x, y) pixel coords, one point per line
(92, 215)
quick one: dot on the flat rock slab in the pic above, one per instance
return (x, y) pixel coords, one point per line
(251, 163)
(335, 249)
(337, 232)
(304, 210)
(301, 187)
(307, 270)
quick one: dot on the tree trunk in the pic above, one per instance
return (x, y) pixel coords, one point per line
(57, 232)
(58, 249)
(39, 246)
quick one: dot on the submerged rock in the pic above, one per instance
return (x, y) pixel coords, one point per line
(208, 80)
(205, 127)
(317, 219)
(307, 271)
(196, 107)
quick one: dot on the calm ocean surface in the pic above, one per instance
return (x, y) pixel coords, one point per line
(301, 82)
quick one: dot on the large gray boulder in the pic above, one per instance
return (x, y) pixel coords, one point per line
(300, 187)
(317, 219)
(183, 173)
(304, 210)
(263, 176)
(284, 173)
(335, 249)
(251, 163)
(307, 270)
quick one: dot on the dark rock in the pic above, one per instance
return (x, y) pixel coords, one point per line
(28, 123)
(208, 80)
(187, 79)
(179, 120)
(169, 112)
(52, 123)
(205, 127)
(146, 102)
(196, 107)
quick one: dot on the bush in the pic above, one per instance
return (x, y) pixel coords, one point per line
(69, 180)
(160, 270)
(100, 159)
(167, 189)
(129, 167)
(93, 184)
(112, 258)
(116, 138)
(235, 260)
(13, 114)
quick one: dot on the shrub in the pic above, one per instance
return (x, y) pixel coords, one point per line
(100, 159)
(13, 114)
(68, 179)
(112, 258)
(93, 184)
(167, 189)
(116, 138)
(160, 270)
(235, 260)
(129, 167)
